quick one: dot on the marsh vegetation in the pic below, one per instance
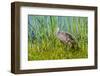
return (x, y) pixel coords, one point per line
(43, 43)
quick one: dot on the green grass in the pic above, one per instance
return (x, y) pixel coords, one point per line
(46, 46)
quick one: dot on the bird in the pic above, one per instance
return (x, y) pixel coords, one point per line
(66, 38)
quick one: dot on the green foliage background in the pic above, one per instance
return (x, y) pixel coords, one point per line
(43, 43)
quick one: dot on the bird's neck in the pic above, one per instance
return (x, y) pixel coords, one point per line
(57, 32)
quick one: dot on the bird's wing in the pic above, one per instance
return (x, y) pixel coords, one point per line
(68, 35)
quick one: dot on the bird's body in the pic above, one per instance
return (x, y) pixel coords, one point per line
(66, 38)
